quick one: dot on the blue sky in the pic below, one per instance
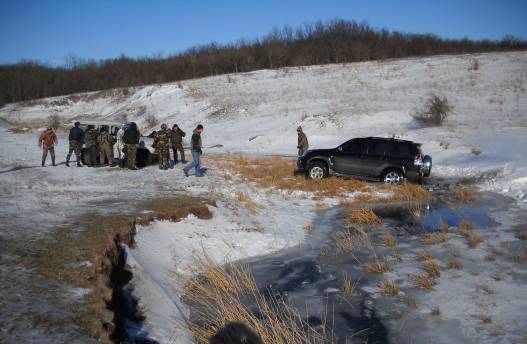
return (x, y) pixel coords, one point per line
(48, 30)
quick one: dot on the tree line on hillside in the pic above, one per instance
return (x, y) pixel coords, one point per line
(336, 41)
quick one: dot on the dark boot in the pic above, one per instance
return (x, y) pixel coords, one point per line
(67, 163)
(79, 164)
(43, 163)
(53, 162)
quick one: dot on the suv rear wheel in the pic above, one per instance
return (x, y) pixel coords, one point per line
(317, 171)
(393, 176)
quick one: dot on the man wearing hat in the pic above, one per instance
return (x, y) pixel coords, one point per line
(303, 144)
(76, 139)
(47, 142)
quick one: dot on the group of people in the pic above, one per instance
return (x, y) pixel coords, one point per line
(99, 146)
(100, 143)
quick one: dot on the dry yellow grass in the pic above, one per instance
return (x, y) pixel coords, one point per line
(277, 172)
(423, 281)
(362, 216)
(389, 288)
(473, 240)
(434, 238)
(309, 227)
(444, 228)
(398, 258)
(215, 299)
(377, 266)
(454, 264)
(465, 194)
(423, 256)
(432, 268)
(465, 227)
(348, 287)
(351, 239)
(389, 240)
(250, 205)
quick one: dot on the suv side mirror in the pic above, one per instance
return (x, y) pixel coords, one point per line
(339, 148)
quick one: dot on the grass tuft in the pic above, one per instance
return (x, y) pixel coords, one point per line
(348, 287)
(362, 216)
(432, 268)
(389, 240)
(454, 264)
(389, 288)
(473, 240)
(467, 194)
(377, 266)
(215, 299)
(434, 238)
(423, 280)
(424, 256)
(309, 227)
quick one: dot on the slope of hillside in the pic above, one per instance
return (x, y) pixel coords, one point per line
(258, 112)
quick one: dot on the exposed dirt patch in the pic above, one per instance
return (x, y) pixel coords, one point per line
(88, 254)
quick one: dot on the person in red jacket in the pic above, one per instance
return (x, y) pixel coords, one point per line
(47, 142)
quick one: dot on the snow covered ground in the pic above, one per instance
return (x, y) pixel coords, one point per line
(256, 113)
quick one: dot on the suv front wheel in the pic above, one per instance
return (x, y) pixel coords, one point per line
(393, 176)
(317, 171)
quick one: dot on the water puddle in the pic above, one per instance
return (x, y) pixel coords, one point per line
(311, 276)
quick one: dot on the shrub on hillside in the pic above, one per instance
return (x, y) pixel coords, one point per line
(151, 121)
(54, 121)
(434, 112)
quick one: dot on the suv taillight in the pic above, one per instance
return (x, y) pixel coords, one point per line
(418, 161)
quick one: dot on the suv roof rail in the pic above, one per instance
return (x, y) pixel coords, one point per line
(390, 139)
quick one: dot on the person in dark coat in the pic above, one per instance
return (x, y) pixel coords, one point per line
(76, 139)
(195, 146)
(177, 143)
(92, 147)
(131, 139)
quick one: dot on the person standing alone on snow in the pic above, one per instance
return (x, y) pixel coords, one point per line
(131, 138)
(47, 142)
(195, 146)
(76, 139)
(303, 144)
(177, 143)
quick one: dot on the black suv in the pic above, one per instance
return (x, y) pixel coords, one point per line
(372, 158)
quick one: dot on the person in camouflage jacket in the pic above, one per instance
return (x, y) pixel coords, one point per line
(76, 138)
(303, 144)
(162, 143)
(105, 141)
(47, 141)
(177, 143)
(90, 140)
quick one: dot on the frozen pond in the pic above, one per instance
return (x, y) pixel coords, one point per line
(311, 276)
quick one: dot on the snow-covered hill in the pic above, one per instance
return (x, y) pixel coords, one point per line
(258, 112)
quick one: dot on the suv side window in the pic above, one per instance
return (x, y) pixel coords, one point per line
(378, 148)
(354, 147)
(401, 150)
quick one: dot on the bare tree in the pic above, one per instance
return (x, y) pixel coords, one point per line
(54, 121)
(336, 41)
(434, 112)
